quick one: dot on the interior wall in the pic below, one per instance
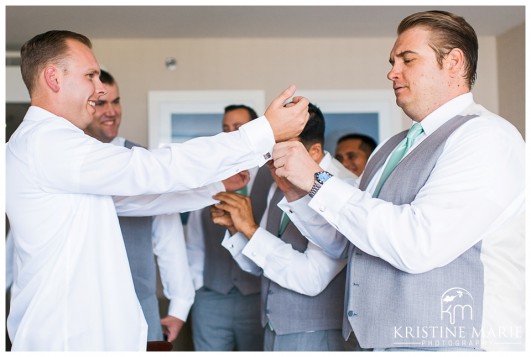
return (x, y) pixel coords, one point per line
(511, 69)
(264, 64)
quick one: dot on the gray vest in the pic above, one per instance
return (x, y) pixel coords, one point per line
(221, 273)
(137, 232)
(387, 307)
(288, 311)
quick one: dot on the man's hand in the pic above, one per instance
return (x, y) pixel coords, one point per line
(222, 218)
(171, 326)
(235, 182)
(292, 161)
(287, 121)
(291, 192)
(240, 210)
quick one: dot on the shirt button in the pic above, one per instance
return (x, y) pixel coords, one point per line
(322, 208)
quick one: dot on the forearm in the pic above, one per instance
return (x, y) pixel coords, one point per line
(307, 272)
(315, 228)
(167, 203)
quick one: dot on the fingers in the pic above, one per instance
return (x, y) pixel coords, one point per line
(216, 212)
(230, 198)
(296, 99)
(282, 150)
(245, 176)
(225, 221)
(284, 96)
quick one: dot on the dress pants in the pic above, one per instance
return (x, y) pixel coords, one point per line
(226, 322)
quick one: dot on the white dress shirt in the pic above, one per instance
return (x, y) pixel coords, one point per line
(307, 272)
(72, 286)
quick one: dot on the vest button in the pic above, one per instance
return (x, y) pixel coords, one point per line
(351, 313)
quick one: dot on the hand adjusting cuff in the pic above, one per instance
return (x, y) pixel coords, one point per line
(319, 179)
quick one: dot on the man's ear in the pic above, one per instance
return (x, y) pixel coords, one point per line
(51, 78)
(316, 151)
(455, 62)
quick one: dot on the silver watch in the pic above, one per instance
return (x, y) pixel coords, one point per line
(319, 178)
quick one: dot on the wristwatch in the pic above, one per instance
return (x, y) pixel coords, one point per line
(319, 178)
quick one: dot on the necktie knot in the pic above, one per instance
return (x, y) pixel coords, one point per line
(414, 132)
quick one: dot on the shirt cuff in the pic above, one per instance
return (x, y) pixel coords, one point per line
(332, 197)
(180, 308)
(260, 246)
(216, 187)
(299, 207)
(260, 137)
(234, 244)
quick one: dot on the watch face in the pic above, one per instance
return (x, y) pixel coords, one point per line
(322, 176)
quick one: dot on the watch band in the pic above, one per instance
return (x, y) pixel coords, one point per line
(316, 186)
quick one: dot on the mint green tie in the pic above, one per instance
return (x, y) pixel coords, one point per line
(283, 224)
(242, 191)
(398, 153)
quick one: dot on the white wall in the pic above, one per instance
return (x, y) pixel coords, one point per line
(264, 64)
(16, 91)
(511, 66)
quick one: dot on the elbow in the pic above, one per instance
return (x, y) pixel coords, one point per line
(312, 291)
(417, 266)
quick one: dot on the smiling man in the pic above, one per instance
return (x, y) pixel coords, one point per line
(72, 286)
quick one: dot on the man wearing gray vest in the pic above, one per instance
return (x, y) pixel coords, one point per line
(226, 310)
(434, 234)
(145, 237)
(302, 288)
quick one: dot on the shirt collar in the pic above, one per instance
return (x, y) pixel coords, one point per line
(446, 112)
(118, 141)
(325, 161)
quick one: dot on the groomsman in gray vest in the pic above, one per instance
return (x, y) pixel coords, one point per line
(145, 237)
(302, 288)
(226, 310)
(434, 230)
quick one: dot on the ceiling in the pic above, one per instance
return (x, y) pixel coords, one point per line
(23, 22)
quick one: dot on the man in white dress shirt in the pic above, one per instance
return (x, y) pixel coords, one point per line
(436, 250)
(72, 286)
(302, 287)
